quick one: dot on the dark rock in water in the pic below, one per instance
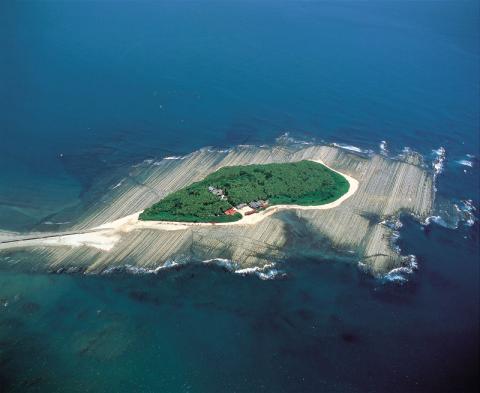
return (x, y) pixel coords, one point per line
(206, 305)
(305, 314)
(11, 323)
(288, 321)
(143, 297)
(83, 315)
(30, 307)
(5, 382)
(334, 318)
(140, 296)
(439, 280)
(31, 382)
(393, 293)
(305, 296)
(349, 338)
(103, 344)
(313, 352)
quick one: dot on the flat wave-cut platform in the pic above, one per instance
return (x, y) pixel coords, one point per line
(110, 235)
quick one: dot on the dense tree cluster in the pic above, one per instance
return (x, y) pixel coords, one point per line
(193, 204)
(301, 183)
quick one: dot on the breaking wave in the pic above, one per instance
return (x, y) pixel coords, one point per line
(266, 272)
(226, 263)
(151, 161)
(383, 148)
(400, 274)
(213, 150)
(409, 262)
(141, 270)
(287, 139)
(465, 163)
(394, 224)
(451, 214)
(466, 211)
(56, 223)
(118, 184)
(352, 148)
(438, 162)
(436, 220)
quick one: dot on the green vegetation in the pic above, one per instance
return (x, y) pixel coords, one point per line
(301, 183)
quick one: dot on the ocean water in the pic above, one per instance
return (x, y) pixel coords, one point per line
(90, 88)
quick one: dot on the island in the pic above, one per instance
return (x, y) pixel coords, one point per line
(138, 224)
(234, 191)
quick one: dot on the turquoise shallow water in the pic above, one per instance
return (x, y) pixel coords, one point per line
(89, 89)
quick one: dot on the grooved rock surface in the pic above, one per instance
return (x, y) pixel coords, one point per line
(386, 188)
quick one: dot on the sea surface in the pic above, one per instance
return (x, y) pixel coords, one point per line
(88, 89)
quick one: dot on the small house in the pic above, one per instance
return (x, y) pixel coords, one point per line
(230, 212)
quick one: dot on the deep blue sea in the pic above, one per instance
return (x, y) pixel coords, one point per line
(88, 89)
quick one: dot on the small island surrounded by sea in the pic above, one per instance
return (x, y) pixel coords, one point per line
(248, 205)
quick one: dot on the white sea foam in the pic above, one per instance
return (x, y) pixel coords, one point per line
(226, 263)
(451, 214)
(466, 210)
(409, 262)
(437, 220)
(56, 223)
(395, 275)
(213, 150)
(267, 272)
(352, 148)
(438, 162)
(405, 151)
(383, 148)
(287, 139)
(139, 269)
(270, 274)
(392, 223)
(400, 274)
(395, 224)
(151, 161)
(118, 184)
(348, 147)
(465, 163)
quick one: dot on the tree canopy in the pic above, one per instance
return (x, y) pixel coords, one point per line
(301, 183)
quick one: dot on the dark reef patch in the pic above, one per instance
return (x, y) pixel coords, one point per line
(350, 338)
(30, 307)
